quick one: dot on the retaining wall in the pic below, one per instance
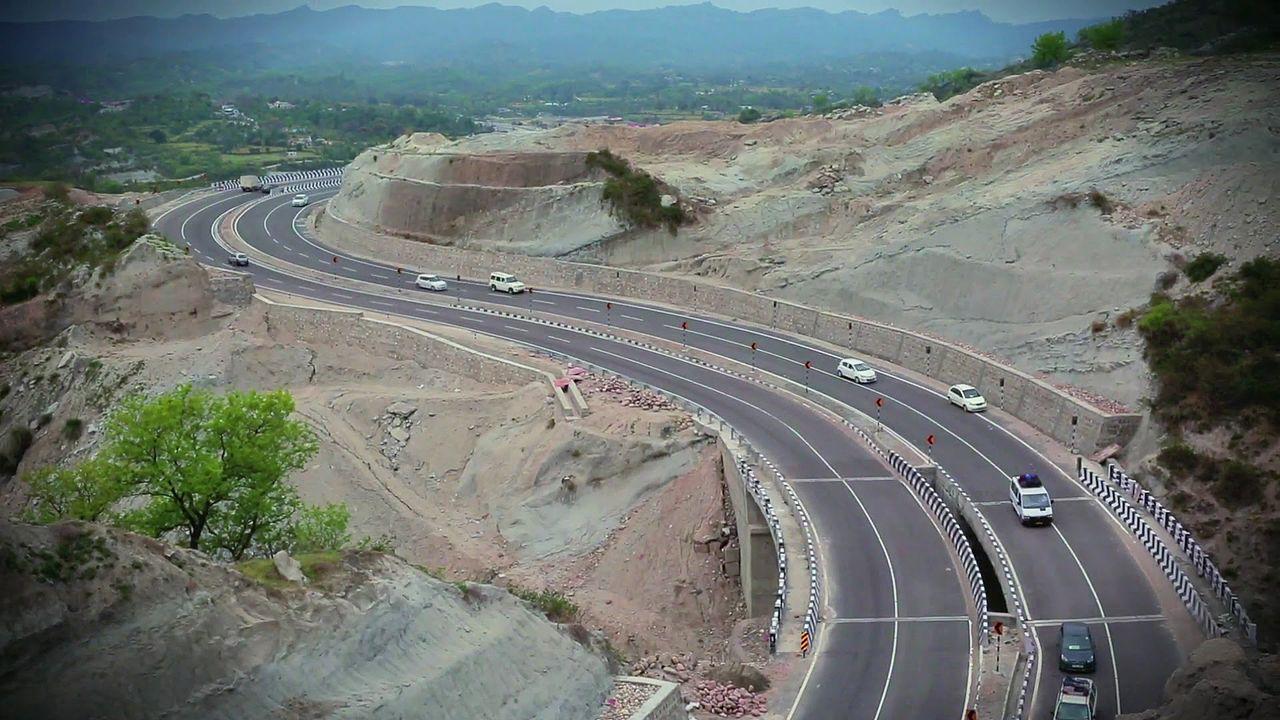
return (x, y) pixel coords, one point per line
(758, 569)
(1068, 420)
(343, 328)
(665, 704)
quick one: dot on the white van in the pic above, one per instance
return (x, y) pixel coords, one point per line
(505, 282)
(1031, 502)
(856, 370)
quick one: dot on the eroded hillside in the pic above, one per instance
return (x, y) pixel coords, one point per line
(1022, 217)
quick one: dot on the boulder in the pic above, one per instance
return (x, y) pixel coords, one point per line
(288, 568)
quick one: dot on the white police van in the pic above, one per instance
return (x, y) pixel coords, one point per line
(1031, 502)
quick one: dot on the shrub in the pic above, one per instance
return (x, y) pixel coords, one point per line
(1100, 201)
(748, 115)
(1049, 49)
(634, 194)
(97, 215)
(1179, 459)
(58, 191)
(1097, 326)
(73, 428)
(952, 82)
(1204, 266)
(1104, 36)
(1238, 484)
(15, 445)
(320, 529)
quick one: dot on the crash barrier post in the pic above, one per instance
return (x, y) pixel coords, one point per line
(1165, 557)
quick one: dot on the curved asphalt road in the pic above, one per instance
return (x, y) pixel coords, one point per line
(893, 587)
(1078, 568)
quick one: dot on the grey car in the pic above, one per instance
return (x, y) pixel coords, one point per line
(1075, 644)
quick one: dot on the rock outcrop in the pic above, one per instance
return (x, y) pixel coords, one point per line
(1221, 681)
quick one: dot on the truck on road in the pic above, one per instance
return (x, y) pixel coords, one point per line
(250, 183)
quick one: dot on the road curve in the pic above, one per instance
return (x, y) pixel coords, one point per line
(1080, 568)
(894, 590)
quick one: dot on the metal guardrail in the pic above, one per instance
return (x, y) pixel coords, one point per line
(1147, 535)
(1185, 540)
(281, 178)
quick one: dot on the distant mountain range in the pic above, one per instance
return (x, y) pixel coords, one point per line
(688, 36)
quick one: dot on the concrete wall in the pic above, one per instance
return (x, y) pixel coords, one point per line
(344, 328)
(666, 703)
(231, 288)
(1068, 420)
(758, 558)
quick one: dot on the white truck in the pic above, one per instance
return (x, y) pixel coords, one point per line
(1076, 700)
(250, 183)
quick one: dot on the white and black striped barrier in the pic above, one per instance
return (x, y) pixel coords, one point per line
(280, 178)
(1185, 540)
(1132, 518)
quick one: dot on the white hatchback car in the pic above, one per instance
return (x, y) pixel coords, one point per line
(856, 370)
(300, 200)
(967, 397)
(431, 282)
(505, 282)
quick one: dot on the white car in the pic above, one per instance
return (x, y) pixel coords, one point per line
(1031, 502)
(300, 200)
(505, 282)
(856, 370)
(967, 397)
(238, 260)
(431, 282)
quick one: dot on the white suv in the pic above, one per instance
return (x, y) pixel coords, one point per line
(856, 370)
(300, 200)
(505, 282)
(1031, 502)
(431, 282)
(967, 397)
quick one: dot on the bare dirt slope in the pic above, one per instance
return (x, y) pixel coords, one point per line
(463, 476)
(974, 218)
(122, 626)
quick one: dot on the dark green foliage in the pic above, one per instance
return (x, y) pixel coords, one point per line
(748, 115)
(1220, 26)
(1235, 483)
(73, 428)
(1104, 36)
(1203, 266)
(12, 449)
(1049, 49)
(634, 194)
(952, 82)
(64, 242)
(1218, 358)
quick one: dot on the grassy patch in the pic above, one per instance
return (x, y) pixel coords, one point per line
(634, 194)
(315, 566)
(556, 606)
(73, 428)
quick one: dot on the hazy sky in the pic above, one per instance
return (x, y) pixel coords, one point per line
(1003, 10)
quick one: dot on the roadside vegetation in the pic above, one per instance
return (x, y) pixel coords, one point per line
(203, 470)
(66, 238)
(634, 194)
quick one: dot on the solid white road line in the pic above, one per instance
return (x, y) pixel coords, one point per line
(1115, 668)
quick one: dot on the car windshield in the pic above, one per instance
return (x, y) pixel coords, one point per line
(861, 367)
(970, 393)
(1072, 712)
(428, 277)
(1035, 500)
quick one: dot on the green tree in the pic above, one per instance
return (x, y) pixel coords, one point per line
(85, 492)
(867, 96)
(158, 136)
(318, 529)
(1049, 49)
(1104, 36)
(748, 115)
(821, 103)
(211, 468)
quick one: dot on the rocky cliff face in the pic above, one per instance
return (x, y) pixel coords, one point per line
(423, 187)
(1220, 681)
(102, 623)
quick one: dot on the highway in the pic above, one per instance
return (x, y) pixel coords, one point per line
(895, 643)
